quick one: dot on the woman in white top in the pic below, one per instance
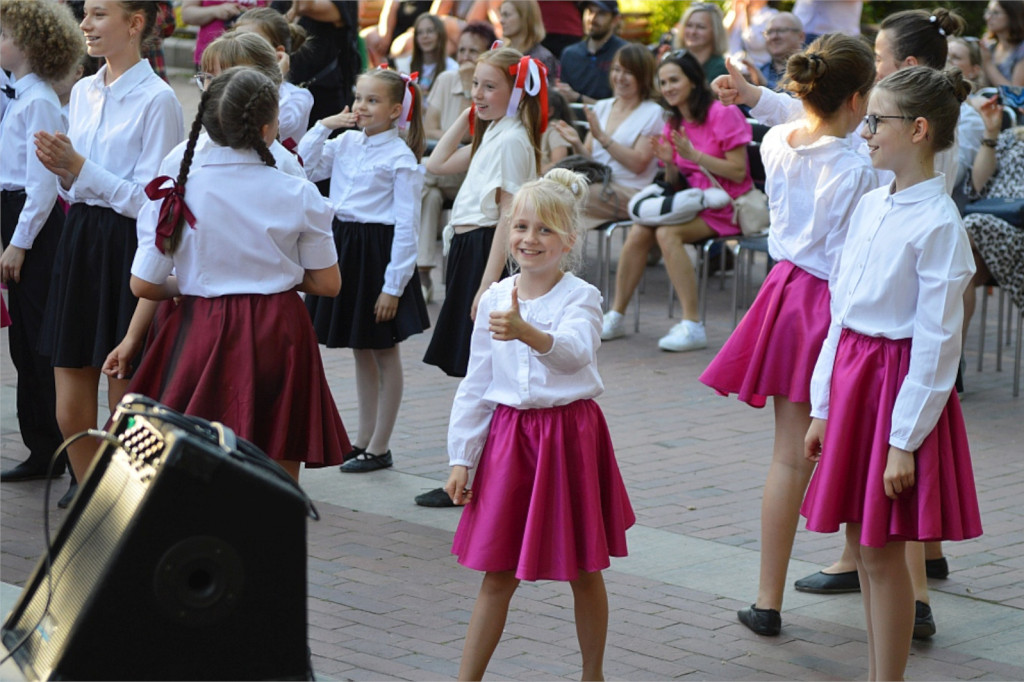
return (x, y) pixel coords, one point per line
(122, 122)
(233, 240)
(286, 38)
(815, 177)
(888, 435)
(620, 135)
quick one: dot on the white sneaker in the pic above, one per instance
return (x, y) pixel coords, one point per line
(684, 336)
(716, 198)
(613, 326)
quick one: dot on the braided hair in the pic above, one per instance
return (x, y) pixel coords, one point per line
(235, 107)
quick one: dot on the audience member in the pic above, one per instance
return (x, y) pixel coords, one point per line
(620, 135)
(563, 24)
(965, 54)
(553, 145)
(396, 17)
(429, 56)
(784, 37)
(745, 24)
(828, 16)
(702, 32)
(1003, 56)
(586, 64)
(522, 28)
(213, 18)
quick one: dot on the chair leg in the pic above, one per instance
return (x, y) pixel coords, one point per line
(981, 327)
(636, 306)
(702, 287)
(1017, 353)
(999, 331)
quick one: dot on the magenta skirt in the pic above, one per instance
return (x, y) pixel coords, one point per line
(251, 362)
(847, 485)
(548, 498)
(774, 348)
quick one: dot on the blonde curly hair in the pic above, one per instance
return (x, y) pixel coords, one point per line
(47, 33)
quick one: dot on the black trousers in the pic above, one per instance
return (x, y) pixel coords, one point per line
(36, 397)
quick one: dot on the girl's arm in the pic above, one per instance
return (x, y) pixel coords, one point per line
(508, 325)
(317, 152)
(321, 281)
(432, 123)
(471, 414)
(316, 249)
(118, 363)
(497, 258)
(408, 183)
(448, 158)
(293, 113)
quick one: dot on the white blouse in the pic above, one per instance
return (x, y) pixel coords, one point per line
(812, 192)
(35, 108)
(286, 161)
(257, 230)
(646, 119)
(124, 131)
(511, 373)
(778, 107)
(294, 106)
(903, 273)
(374, 179)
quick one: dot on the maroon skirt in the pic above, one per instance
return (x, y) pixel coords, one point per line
(847, 486)
(251, 362)
(548, 498)
(773, 350)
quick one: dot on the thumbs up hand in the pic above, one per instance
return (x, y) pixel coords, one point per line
(734, 88)
(507, 325)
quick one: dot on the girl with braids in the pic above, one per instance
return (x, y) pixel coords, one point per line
(815, 177)
(508, 115)
(122, 122)
(887, 433)
(241, 239)
(286, 38)
(376, 182)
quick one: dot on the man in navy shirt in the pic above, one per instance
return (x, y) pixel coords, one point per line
(586, 64)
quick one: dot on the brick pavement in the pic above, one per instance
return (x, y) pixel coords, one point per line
(387, 601)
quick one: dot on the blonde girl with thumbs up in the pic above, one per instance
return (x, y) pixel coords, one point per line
(547, 501)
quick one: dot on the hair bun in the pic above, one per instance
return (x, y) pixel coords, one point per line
(575, 182)
(949, 23)
(961, 87)
(804, 70)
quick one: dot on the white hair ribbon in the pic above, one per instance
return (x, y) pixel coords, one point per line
(408, 97)
(531, 77)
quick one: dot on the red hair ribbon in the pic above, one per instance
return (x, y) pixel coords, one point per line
(531, 77)
(408, 98)
(497, 45)
(172, 209)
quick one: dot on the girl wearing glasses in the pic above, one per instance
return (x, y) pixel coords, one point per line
(887, 433)
(121, 124)
(815, 177)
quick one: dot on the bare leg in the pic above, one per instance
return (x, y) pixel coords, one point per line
(77, 410)
(932, 550)
(915, 565)
(368, 394)
(590, 601)
(784, 490)
(671, 239)
(853, 549)
(846, 562)
(891, 608)
(292, 467)
(389, 365)
(486, 623)
(632, 262)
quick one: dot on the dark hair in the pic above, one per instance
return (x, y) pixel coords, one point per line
(923, 92)
(1015, 18)
(149, 12)
(830, 71)
(560, 110)
(440, 52)
(482, 30)
(414, 135)
(638, 61)
(701, 97)
(272, 25)
(234, 108)
(922, 34)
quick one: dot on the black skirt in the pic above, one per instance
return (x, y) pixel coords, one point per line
(467, 260)
(347, 320)
(90, 304)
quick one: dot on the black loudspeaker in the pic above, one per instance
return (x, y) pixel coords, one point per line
(183, 557)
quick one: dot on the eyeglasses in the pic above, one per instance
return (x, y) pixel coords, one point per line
(871, 120)
(202, 79)
(779, 31)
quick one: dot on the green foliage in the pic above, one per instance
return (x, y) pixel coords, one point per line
(661, 15)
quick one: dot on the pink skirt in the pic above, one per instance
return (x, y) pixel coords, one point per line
(847, 485)
(251, 362)
(548, 498)
(774, 348)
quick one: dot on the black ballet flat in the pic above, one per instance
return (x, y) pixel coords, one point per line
(365, 462)
(767, 622)
(829, 583)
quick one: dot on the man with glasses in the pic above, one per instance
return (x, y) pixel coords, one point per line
(784, 37)
(585, 65)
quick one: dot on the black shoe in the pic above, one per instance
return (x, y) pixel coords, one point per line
(829, 583)
(364, 462)
(937, 568)
(68, 496)
(28, 471)
(924, 624)
(766, 622)
(435, 498)
(353, 453)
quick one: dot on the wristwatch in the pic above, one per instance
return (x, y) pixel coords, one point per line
(988, 142)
